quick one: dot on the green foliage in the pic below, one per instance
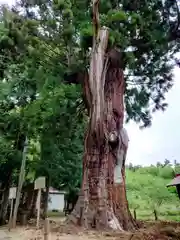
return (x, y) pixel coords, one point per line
(116, 15)
(35, 102)
(143, 30)
(146, 191)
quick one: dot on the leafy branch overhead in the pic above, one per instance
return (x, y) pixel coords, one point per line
(38, 48)
(148, 37)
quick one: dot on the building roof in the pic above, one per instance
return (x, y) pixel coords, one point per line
(175, 181)
(54, 191)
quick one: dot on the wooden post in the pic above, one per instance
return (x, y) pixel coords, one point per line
(12, 196)
(38, 207)
(135, 216)
(46, 229)
(40, 183)
(155, 215)
(10, 217)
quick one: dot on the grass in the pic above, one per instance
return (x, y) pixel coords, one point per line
(162, 215)
(146, 191)
(55, 214)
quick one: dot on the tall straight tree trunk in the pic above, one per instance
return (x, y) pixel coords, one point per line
(20, 183)
(46, 198)
(103, 202)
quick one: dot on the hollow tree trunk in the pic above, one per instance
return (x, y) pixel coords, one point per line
(102, 202)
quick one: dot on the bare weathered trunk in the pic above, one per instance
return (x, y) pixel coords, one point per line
(102, 202)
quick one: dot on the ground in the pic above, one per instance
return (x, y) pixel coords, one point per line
(61, 231)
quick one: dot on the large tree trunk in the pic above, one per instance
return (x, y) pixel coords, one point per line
(103, 202)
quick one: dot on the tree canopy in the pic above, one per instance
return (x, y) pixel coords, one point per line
(46, 44)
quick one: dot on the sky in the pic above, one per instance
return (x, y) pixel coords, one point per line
(10, 2)
(162, 140)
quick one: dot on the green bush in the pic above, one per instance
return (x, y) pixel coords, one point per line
(146, 191)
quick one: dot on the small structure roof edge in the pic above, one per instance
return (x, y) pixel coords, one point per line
(175, 181)
(55, 191)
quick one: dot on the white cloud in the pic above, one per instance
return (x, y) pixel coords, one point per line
(9, 2)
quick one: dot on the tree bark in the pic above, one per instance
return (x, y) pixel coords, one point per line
(102, 202)
(4, 206)
(121, 207)
(32, 213)
(46, 198)
(4, 198)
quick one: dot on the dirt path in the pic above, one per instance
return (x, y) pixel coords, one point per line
(23, 234)
(32, 234)
(148, 231)
(5, 235)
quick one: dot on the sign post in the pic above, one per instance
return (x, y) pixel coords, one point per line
(39, 184)
(12, 196)
(46, 229)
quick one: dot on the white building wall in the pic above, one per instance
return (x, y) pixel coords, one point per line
(56, 202)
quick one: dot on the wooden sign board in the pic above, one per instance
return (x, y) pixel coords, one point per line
(40, 183)
(12, 193)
